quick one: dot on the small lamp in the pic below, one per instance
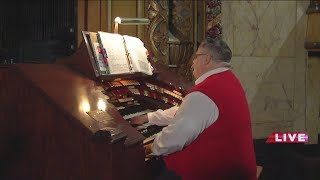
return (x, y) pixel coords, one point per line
(312, 42)
(129, 21)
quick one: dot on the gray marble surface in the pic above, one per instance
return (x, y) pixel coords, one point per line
(267, 39)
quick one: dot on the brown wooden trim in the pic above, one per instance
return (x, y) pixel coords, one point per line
(80, 20)
(315, 53)
(104, 16)
(100, 27)
(312, 45)
(314, 7)
(86, 4)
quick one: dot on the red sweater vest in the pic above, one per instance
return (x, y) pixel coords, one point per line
(225, 149)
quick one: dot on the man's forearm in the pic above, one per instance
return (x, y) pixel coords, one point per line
(162, 117)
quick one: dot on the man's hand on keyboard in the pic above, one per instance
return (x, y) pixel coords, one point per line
(147, 149)
(139, 120)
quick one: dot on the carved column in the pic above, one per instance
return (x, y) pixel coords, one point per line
(157, 30)
(182, 14)
(172, 36)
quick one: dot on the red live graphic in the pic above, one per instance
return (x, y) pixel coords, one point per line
(288, 137)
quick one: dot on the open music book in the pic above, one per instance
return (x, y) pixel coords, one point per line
(117, 54)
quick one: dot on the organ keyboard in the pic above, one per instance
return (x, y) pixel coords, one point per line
(136, 97)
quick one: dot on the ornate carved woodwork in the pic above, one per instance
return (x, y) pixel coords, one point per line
(181, 18)
(181, 36)
(157, 30)
(179, 55)
(171, 41)
(172, 36)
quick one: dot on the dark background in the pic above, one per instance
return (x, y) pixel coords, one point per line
(37, 31)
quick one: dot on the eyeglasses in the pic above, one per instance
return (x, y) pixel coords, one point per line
(194, 56)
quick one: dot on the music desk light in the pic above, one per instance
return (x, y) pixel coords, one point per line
(128, 21)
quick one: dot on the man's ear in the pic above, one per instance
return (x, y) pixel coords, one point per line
(207, 60)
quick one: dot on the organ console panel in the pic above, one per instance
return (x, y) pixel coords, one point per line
(61, 121)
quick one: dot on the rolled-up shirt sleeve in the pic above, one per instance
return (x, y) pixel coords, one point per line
(162, 117)
(196, 113)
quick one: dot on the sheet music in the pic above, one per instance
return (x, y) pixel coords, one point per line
(117, 57)
(137, 53)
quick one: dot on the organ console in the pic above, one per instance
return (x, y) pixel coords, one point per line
(60, 121)
(137, 97)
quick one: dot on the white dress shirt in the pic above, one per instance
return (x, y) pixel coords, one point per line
(185, 123)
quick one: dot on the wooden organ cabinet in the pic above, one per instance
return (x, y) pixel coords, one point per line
(59, 122)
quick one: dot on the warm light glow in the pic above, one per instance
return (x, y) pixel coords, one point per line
(117, 20)
(102, 105)
(116, 28)
(84, 105)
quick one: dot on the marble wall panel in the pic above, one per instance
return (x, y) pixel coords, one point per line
(262, 28)
(267, 39)
(250, 71)
(227, 22)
